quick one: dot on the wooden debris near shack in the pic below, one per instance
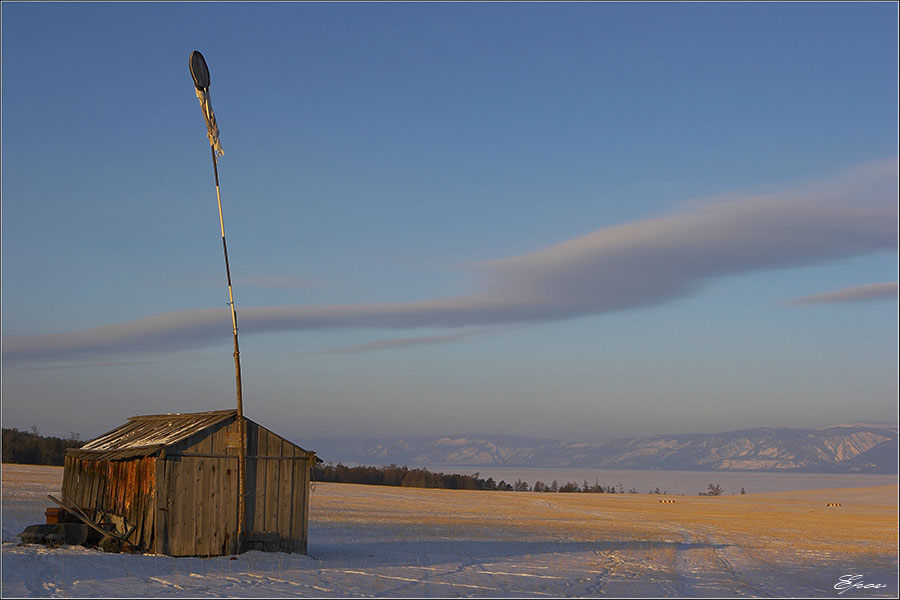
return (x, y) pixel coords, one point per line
(111, 540)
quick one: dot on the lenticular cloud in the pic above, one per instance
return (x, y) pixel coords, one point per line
(637, 264)
(872, 291)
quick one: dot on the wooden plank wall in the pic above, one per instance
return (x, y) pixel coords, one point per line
(126, 488)
(280, 488)
(202, 496)
(221, 485)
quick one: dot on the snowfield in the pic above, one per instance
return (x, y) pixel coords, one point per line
(370, 541)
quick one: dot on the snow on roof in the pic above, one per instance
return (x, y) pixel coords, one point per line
(155, 431)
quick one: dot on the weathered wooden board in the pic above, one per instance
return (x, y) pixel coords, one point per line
(133, 501)
(198, 507)
(172, 516)
(272, 484)
(114, 485)
(187, 486)
(224, 531)
(252, 465)
(229, 508)
(160, 530)
(260, 491)
(92, 487)
(310, 462)
(285, 497)
(212, 489)
(180, 494)
(194, 506)
(298, 509)
(148, 492)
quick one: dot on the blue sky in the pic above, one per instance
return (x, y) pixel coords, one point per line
(580, 220)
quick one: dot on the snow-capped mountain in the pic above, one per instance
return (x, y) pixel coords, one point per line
(856, 448)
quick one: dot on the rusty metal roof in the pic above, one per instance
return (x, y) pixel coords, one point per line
(146, 434)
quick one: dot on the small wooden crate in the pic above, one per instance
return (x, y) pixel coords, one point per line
(56, 515)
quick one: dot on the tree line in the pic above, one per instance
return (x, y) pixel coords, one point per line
(423, 478)
(32, 448)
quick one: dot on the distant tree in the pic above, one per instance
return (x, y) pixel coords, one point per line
(621, 488)
(570, 487)
(742, 491)
(415, 478)
(554, 487)
(539, 486)
(714, 490)
(31, 448)
(521, 486)
(394, 475)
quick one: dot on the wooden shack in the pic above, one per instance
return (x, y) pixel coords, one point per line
(172, 481)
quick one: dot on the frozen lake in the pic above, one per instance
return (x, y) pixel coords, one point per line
(676, 482)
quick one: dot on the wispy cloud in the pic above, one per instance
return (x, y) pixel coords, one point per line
(89, 365)
(873, 291)
(638, 264)
(404, 342)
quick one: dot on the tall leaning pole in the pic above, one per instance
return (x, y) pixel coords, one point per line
(200, 74)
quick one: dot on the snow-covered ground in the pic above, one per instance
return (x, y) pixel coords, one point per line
(400, 542)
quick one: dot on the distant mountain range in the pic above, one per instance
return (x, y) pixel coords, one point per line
(853, 448)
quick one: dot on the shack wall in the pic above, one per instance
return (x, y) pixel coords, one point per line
(278, 475)
(126, 488)
(197, 505)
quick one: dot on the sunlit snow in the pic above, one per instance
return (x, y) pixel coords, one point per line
(368, 541)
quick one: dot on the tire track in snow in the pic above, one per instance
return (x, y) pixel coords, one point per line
(501, 572)
(700, 566)
(39, 581)
(410, 579)
(164, 583)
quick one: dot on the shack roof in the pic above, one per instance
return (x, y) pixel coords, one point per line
(146, 434)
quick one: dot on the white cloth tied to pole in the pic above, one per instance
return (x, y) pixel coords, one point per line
(212, 129)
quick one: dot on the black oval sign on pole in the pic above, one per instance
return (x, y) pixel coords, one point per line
(199, 70)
